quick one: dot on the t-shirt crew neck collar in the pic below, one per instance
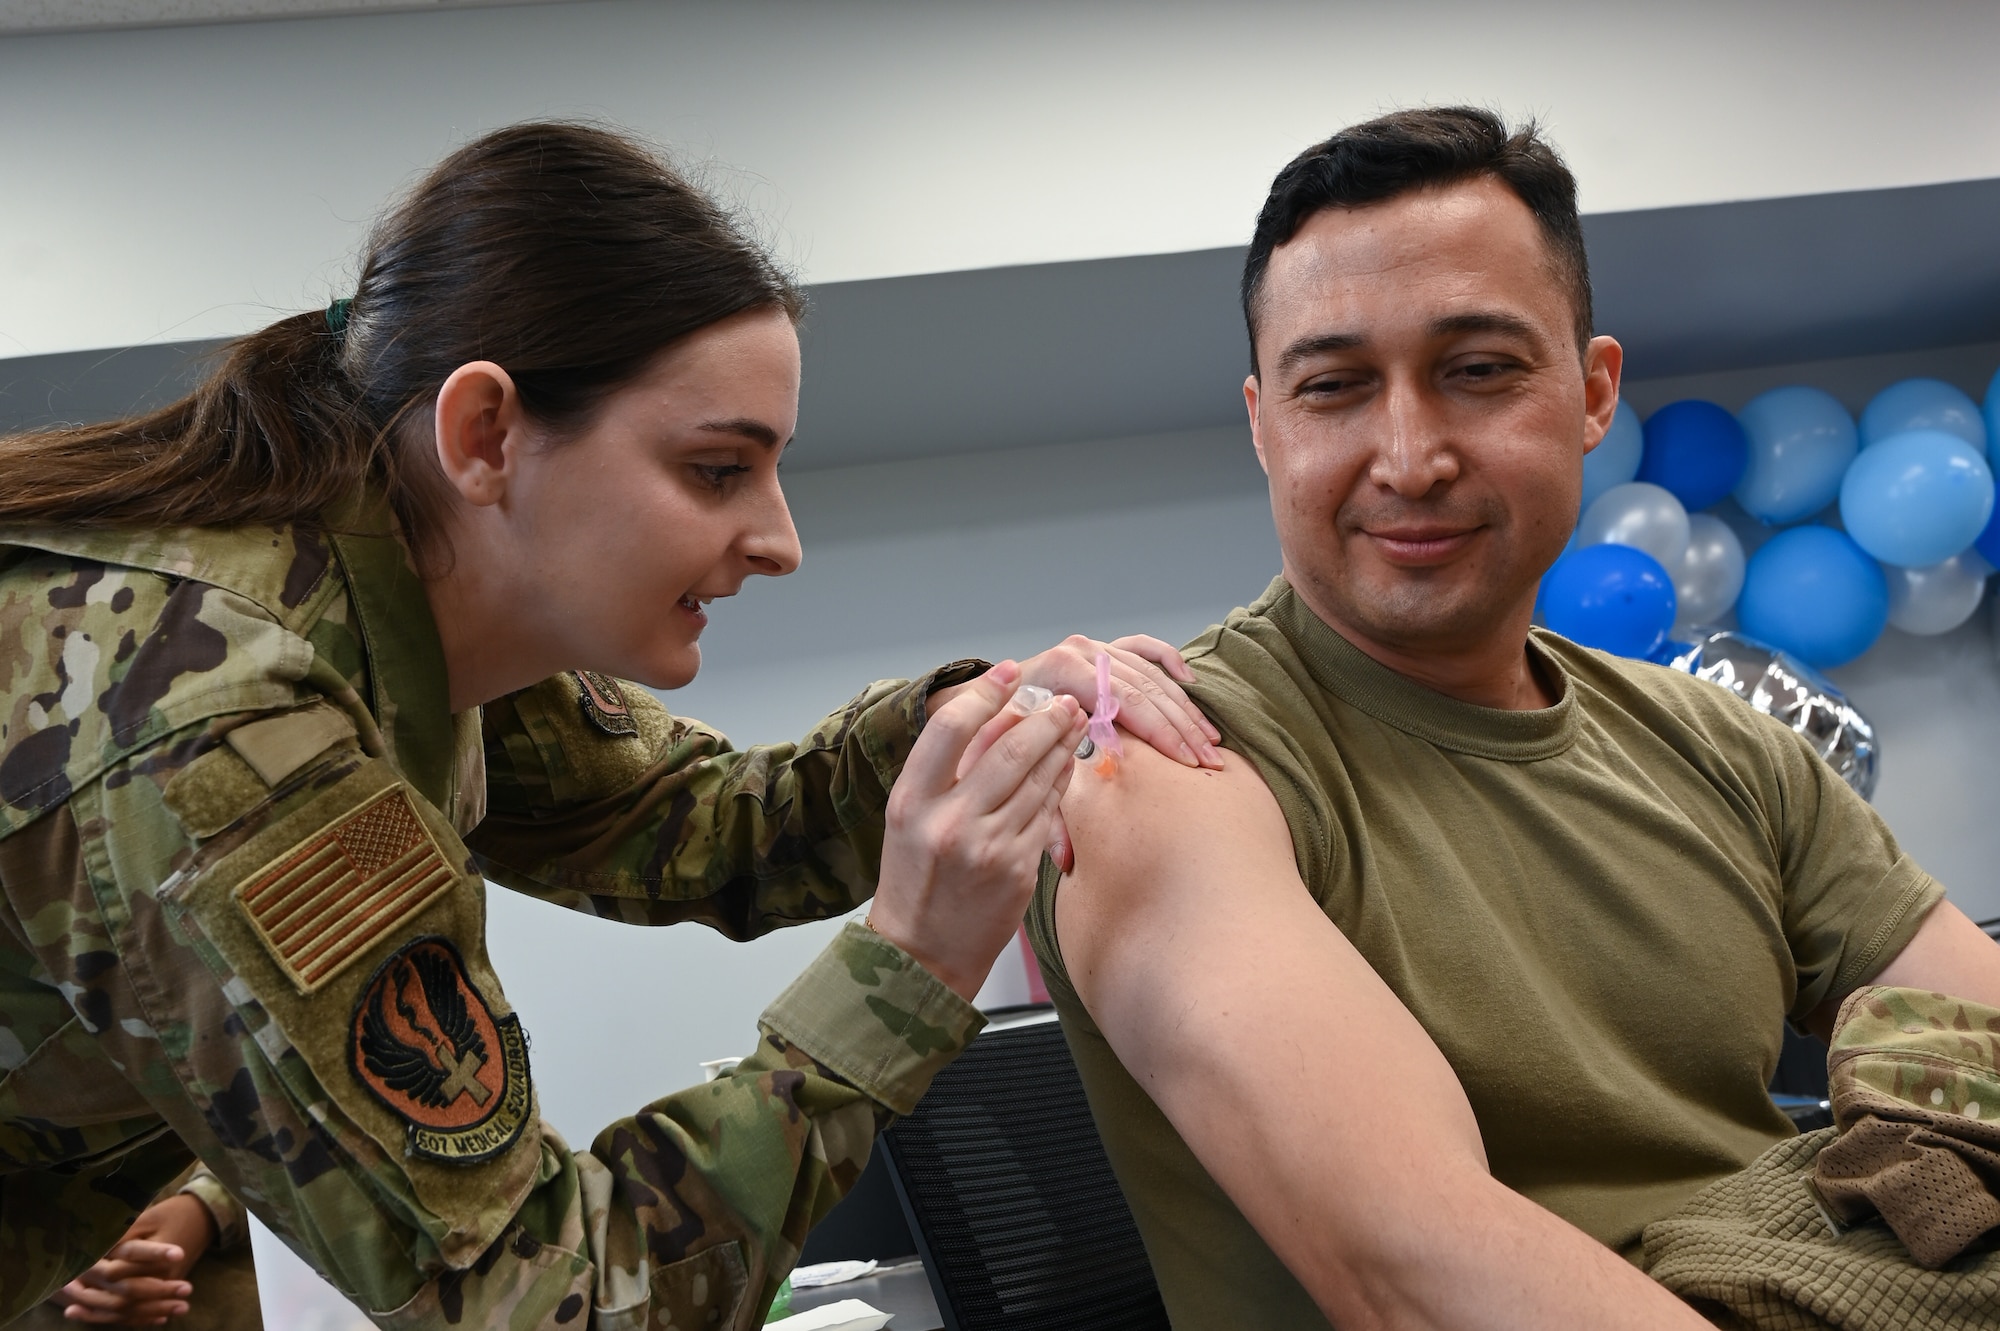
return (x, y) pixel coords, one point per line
(1358, 679)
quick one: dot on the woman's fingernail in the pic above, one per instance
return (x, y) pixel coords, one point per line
(1212, 756)
(1005, 673)
(1187, 756)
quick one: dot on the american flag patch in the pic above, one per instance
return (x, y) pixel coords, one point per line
(328, 900)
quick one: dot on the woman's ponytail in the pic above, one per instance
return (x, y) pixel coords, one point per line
(271, 434)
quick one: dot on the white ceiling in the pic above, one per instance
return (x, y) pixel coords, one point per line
(81, 15)
(178, 183)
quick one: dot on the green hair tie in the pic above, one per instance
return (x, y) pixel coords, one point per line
(336, 316)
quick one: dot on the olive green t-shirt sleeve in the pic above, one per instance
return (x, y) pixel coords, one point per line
(1852, 898)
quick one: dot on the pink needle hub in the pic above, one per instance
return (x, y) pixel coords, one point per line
(1104, 722)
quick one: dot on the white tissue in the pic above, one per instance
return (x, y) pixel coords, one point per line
(847, 1315)
(830, 1273)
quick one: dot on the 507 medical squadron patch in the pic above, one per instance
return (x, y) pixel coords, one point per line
(427, 1046)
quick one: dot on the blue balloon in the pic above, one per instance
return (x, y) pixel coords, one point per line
(1615, 460)
(1992, 414)
(1613, 597)
(1916, 499)
(1695, 449)
(1801, 441)
(1987, 543)
(1922, 404)
(1816, 594)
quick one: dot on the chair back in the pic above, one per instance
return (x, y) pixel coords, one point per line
(1013, 1205)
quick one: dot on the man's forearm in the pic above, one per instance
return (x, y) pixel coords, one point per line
(1370, 1186)
(1467, 1253)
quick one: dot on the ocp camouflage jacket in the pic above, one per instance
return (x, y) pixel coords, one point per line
(242, 853)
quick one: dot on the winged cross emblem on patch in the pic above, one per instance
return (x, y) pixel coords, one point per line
(444, 1064)
(428, 1047)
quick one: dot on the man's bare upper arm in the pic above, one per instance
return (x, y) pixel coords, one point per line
(1297, 1077)
(1948, 954)
(1216, 977)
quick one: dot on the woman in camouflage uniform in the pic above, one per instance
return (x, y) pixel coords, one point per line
(289, 667)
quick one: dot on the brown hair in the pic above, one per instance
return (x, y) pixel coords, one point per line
(567, 254)
(1425, 148)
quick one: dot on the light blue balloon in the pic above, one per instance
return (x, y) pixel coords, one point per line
(1922, 404)
(1801, 442)
(1814, 593)
(1615, 460)
(1917, 499)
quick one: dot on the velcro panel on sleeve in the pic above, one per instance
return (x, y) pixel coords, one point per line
(214, 792)
(871, 1012)
(349, 929)
(594, 736)
(277, 746)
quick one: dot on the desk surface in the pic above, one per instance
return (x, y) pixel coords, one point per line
(902, 1290)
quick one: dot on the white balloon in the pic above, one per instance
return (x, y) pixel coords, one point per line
(1639, 514)
(1710, 575)
(1939, 598)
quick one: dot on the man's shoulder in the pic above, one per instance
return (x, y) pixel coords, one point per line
(1249, 674)
(1621, 681)
(1621, 694)
(1155, 829)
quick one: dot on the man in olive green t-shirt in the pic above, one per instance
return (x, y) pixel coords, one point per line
(1475, 966)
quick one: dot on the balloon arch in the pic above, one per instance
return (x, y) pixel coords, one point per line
(1888, 521)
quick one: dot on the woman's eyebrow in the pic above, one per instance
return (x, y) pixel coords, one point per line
(754, 430)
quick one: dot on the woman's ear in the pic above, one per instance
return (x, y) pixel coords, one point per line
(481, 431)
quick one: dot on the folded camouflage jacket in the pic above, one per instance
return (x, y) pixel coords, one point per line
(1883, 1222)
(243, 847)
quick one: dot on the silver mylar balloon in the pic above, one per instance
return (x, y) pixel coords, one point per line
(1779, 684)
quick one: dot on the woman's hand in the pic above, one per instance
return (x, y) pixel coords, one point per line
(1146, 674)
(961, 849)
(139, 1282)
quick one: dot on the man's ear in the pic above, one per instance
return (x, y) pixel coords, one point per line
(480, 431)
(1250, 390)
(1603, 364)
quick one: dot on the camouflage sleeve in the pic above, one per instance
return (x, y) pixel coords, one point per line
(232, 1225)
(286, 969)
(598, 799)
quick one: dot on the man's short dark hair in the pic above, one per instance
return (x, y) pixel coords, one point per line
(1424, 149)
